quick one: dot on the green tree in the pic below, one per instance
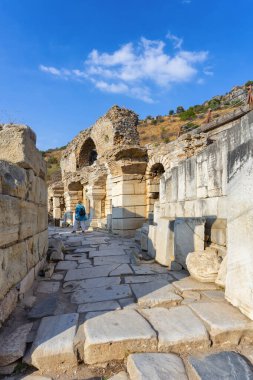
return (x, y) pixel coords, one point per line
(171, 112)
(180, 109)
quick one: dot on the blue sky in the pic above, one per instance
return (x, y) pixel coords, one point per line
(64, 63)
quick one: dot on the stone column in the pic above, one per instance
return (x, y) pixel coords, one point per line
(96, 196)
(56, 209)
(128, 203)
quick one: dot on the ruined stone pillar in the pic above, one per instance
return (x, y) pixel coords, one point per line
(128, 203)
(96, 196)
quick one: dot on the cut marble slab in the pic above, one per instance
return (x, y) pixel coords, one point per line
(92, 283)
(48, 286)
(121, 259)
(115, 334)
(98, 306)
(148, 278)
(157, 293)
(43, 307)
(189, 283)
(53, 345)
(13, 345)
(222, 365)
(214, 295)
(66, 265)
(156, 366)
(179, 329)
(101, 294)
(225, 323)
(82, 274)
(121, 270)
(110, 252)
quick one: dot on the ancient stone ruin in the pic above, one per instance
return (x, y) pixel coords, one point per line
(160, 286)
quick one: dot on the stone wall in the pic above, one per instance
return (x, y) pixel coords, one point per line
(206, 203)
(23, 216)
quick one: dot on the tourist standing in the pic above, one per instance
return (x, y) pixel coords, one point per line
(80, 217)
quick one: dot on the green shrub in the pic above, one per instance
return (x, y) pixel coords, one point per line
(214, 104)
(180, 109)
(250, 82)
(52, 160)
(187, 115)
(171, 112)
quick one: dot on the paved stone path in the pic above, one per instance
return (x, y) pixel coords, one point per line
(102, 305)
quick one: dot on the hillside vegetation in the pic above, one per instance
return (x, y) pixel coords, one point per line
(163, 129)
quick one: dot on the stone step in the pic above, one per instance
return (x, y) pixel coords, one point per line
(156, 293)
(120, 376)
(53, 345)
(156, 366)
(178, 328)
(225, 323)
(115, 334)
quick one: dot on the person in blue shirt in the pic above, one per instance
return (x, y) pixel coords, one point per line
(80, 217)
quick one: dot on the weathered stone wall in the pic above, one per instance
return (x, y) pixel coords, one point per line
(23, 213)
(206, 203)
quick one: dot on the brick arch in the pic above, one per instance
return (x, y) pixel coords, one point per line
(157, 160)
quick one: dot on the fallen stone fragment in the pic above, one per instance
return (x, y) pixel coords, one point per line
(156, 366)
(203, 265)
(97, 306)
(8, 369)
(49, 270)
(101, 294)
(114, 334)
(190, 283)
(48, 287)
(158, 293)
(179, 330)
(222, 274)
(223, 365)
(14, 344)
(8, 304)
(57, 276)
(53, 345)
(225, 323)
(148, 278)
(120, 376)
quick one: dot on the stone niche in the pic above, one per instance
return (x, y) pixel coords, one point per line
(189, 237)
(23, 213)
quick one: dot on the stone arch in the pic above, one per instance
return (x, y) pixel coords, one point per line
(88, 153)
(154, 173)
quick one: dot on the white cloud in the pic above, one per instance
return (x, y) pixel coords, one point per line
(137, 70)
(177, 41)
(208, 71)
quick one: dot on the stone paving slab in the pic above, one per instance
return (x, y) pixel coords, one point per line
(43, 307)
(57, 276)
(122, 259)
(53, 345)
(71, 286)
(122, 269)
(98, 306)
(107, 252)
(148, 278)
(157, 293)
(214, 295)
(156, 366)
(149, 269)
(115, 334)
(35, 377)
(112, 292)
(66, 265)
(75, 257)
(48, 287)
(82, 274)
(225, 323)
(223, 365)
(188, 283)
(84, 265)
(13, 345)
(179, 330)
(128, 303)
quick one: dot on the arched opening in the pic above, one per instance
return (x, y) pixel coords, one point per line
(153, 188)
(88, 153)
